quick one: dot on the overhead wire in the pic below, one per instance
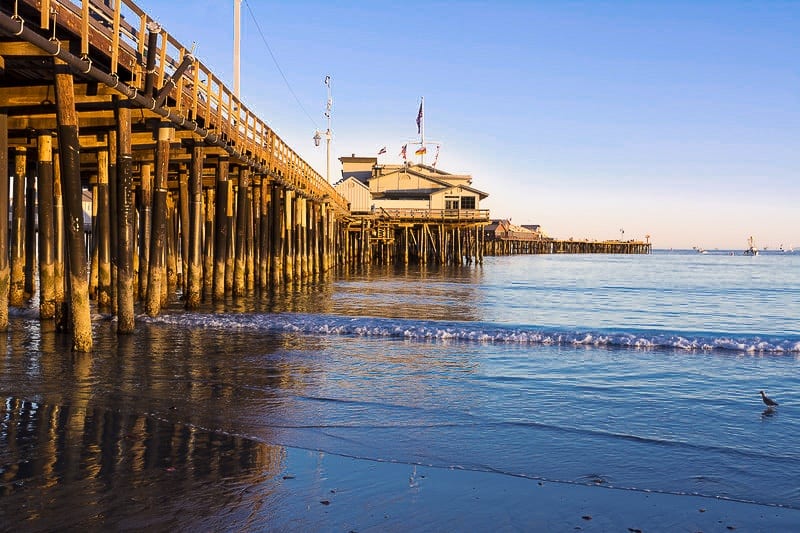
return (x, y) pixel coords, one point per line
(277, 65)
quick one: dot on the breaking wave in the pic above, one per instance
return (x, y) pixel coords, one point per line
(422, 330)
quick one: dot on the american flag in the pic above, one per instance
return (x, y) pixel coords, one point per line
(419, 118)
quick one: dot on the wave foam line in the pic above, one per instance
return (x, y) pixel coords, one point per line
(478, 332)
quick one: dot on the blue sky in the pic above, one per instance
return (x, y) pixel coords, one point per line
(680, 120)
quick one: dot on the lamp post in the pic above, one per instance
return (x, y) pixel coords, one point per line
(327, 133)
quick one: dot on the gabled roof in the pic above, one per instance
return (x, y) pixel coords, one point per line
(445, 184)
(361, 175)
(353, 178)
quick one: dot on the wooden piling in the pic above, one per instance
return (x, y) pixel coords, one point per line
(102, 237)
(47, 304)
(185, 232)
(5, 271)
(277, 207)
(171, 247)
(241, 232)
(155, 276)
(230, 251)
(125, 222)
(145, 226)
(30, 226)
(195, 230)
(288, 259)
(113, 208)
(17, 287)
(264, 257)
(221, 229)
(250, 236)
(62, 318)
(69, 153)
(208, 240)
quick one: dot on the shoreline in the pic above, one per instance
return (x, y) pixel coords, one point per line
(367, 495)
(307, 490)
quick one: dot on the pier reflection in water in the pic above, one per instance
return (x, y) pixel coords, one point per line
(135, 435)
(66, 466)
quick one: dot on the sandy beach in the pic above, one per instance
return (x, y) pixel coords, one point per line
(314, 491)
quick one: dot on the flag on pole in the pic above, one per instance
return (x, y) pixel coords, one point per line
(436, 157)
(419, 118)
(421, 151)
(403, 152)
(382, 151)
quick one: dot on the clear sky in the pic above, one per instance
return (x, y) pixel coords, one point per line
(677, 119)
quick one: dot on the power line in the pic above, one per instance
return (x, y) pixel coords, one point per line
(274, 60)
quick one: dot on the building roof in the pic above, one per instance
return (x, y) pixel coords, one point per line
(361, 175)
(416, 194)
(411, 169)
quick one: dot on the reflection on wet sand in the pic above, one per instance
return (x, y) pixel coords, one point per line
(142, 433)
(72, 466)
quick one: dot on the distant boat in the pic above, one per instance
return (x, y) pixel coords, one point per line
(751, 247)
(785, 250)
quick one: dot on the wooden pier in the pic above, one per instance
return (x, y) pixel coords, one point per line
(515, 246)
(191, 192)
(436, 236)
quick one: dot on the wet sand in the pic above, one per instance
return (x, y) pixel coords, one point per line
(274, 488)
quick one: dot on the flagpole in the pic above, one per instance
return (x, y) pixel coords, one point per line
(236, 44)
(328, 105)
(422, 129)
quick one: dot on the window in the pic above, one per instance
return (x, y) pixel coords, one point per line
(467, 202)
(451, 202)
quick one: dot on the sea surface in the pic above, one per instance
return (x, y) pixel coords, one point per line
(627, 372)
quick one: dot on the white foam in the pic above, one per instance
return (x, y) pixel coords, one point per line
(334, 325)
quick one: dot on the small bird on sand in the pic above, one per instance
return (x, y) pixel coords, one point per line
(769, 402)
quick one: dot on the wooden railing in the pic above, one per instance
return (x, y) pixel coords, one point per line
(113, 37)
(449, 215)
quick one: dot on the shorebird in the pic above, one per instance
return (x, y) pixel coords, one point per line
(769, 402)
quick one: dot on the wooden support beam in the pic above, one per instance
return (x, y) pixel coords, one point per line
(222, 229)
(277, 235)
(47, 303)
(18, 228)
(146, 225)
(30, 225)
(195, 230)
(158, 237)
(5, 271)
(125, 222)
(183, 220)
(102, 237)
(69, 152)
(241, 232)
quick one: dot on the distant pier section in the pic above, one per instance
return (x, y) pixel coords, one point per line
(503, 238)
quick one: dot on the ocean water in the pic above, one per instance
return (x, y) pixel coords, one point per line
(638, 373)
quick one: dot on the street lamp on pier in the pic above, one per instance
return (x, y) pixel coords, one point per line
(327, 133)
